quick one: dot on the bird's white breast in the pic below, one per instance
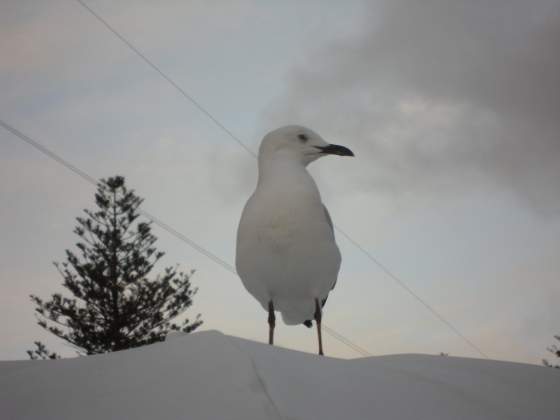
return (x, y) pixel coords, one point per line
(285, 246)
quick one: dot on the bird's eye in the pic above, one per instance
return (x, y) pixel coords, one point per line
(303, 137)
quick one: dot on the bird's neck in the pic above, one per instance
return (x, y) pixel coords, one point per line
(283, 175)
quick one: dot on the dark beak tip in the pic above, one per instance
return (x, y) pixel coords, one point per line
(342, 151)
(335, 149)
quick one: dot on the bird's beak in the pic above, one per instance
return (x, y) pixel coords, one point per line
(335, 149)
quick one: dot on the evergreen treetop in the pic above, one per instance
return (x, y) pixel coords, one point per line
(554, 349)
(115, 305)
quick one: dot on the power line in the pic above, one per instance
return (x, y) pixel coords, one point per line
(246, 148)
(199, 248)
(57, 158)
(47, 152)
(411, 292)
(150, 63)
(342, 339)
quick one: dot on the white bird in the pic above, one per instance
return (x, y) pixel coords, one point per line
(287, 256)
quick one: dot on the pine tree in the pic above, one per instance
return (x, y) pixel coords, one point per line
(554, 349)
(41, 352)
(115, 306)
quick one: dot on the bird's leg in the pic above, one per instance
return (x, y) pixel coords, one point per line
(271, 323)
(318, 316)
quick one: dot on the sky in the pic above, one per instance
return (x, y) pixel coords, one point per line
(452, 109)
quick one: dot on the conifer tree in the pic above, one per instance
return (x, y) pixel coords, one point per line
(115, 305)
(40, 352)
(554, 349)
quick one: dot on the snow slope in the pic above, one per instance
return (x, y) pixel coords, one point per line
(208, 375)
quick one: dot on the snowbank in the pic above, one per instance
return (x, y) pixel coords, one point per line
(208, 375)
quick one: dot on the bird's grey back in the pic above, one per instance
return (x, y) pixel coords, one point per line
(329, 220)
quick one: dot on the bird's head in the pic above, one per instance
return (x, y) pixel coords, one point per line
(299, 143)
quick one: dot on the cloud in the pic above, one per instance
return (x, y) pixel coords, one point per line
(441, 97)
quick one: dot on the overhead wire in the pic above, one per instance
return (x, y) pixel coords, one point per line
(150, 63)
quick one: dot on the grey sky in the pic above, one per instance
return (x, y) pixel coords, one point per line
(443, 94)
(451, 107)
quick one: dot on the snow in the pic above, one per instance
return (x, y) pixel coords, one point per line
(209, 375)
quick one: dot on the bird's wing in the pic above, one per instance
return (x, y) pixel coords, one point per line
(329, 221)
(308, 323)
(328, 216)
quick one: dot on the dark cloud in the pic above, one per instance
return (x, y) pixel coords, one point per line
(444, 95)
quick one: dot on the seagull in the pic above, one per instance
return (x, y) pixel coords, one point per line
(286, 254)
